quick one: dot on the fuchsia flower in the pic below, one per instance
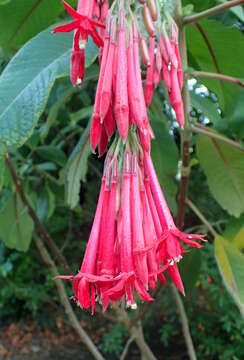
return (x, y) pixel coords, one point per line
(134, 239)
(84, 26)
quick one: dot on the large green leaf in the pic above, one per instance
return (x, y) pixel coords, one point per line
(16, 226)
(228, 48)
(21, 20)
(224, 168)
(165, 156)
(29, 78)
(231, 265)
(77, 168)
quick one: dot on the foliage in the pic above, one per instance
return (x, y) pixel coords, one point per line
(44, 125)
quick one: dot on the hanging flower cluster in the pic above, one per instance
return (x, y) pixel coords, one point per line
(134, 239)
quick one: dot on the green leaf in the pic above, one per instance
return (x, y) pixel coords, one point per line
(165, 157)
(52, 153)
(237, 10)
(226, 43)
(234, 232)
(206, 106)
(29, 78)
(224, 168)
(21, 20)
(190, 267)
(82, 114)
(199, 5)
(42, 205)
(2, 173)
(16, 226)
(77, 168)
(51, 202)
(233, 122)
(231, 266)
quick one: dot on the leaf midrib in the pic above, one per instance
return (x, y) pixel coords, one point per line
(26, 17)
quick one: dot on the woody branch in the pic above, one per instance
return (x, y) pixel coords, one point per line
(211, 12)
(222, 77)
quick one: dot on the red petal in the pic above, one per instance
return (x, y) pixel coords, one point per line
(96, 38)
(175, 277)
(71, 11)
(96, 129)
(142, 292)
(102, 146)
(97, 23)
(67, 27)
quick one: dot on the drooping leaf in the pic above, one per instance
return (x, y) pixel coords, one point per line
(29, 78)
(82, 114)
(77, 168)
(231, 266)
(165, 157)
(16, 226)
(226, 44)
(52, 153)
(224, 168)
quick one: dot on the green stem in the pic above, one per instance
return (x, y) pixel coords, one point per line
(212, 11)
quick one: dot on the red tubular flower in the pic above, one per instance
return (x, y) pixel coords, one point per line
(125, 284)
(103, 142)
(150, 240)
(121, 95)
(140, 258)
(84, 26)
(109, 122)
(106, 93)
(149, 87)
(144, 127)
(170, 249)
(82, 282)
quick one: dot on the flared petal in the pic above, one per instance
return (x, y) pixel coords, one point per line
(66, 27)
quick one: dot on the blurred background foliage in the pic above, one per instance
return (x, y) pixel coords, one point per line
(44, 124)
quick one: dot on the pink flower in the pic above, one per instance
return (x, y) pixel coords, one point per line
(84, 26)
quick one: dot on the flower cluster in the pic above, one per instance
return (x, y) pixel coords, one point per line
(134, 239)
